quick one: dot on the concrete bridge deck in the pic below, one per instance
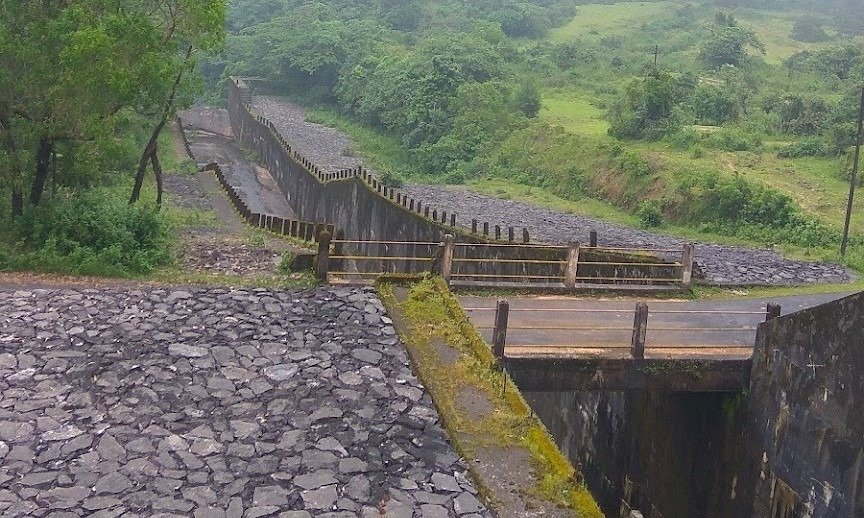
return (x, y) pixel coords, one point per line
(563, 343)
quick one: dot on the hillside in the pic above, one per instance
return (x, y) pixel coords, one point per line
(742, 129)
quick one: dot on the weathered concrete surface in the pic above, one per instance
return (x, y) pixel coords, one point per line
(216, 402)
(806, 415)
(683, 341)
(208, 131)
(677, 454)
(721, 264)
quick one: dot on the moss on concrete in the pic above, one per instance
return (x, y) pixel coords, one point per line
(430, 313)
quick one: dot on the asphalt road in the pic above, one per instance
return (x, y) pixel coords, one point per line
(563, 326)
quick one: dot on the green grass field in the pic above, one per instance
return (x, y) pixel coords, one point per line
(598, 20)
(572, 110)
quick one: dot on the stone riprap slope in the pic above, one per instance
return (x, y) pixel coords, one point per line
(216, 403)
(331, 150)
(720, 264)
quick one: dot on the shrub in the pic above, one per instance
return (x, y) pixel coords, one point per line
(391, 179)
(286, 261)
(805, 147)
(649, 213)
(91, 234)
(734, 140)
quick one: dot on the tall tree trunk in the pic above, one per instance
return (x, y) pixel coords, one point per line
(142, 165)
(150, 149)
(8, 142)
(43, 163)
(17, 202)
(157, 171)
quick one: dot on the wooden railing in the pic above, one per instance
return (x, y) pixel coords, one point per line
(507, 264)
(638, 331)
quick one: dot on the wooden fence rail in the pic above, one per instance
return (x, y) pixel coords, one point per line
(639, 329)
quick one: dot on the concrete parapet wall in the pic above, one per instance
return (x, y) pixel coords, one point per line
(806, 413)
(363, 209)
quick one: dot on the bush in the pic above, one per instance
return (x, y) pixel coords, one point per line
(649, 213)
(285, 262)
(805, 147)
(91, 234)
(391, 179)
(734, 140)
(809, 30)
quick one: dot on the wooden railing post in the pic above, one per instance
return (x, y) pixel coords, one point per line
(772, 312)
(572, 265)
(447, 258)
(525, 237)
(592, 239)
(687, 263)
(323, 261)
(499, 333)
(640, 328)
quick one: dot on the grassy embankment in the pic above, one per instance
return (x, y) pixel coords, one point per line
(428, 315)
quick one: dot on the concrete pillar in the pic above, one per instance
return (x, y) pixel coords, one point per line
(687, 263)
(499, 333)
(640, 328)
(447, 259)
(452, 220)
(525, 237)
(323, 260)
(497, 232)
(511, 234)
(473, 226)
(772, 312)
(592, 239)
(572, 265)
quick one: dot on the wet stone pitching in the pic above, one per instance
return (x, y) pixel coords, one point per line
(216, 403)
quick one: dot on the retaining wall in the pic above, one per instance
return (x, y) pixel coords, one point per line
(792, 446)
(363, 209)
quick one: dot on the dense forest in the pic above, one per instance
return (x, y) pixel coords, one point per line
(710, 114)
(87, 89)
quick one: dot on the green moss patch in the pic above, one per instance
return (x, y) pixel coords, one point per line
(427, 314)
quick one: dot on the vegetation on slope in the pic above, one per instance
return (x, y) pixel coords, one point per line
(88, 86)
(742, 128)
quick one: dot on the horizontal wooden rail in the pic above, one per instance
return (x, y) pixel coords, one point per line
(418, 243)
(643, 279)
(505, 276)
(494, 260)
(635, 263)
(625, 249)
(657, 312)
(380, 258)
(508, 245)
(698, 347)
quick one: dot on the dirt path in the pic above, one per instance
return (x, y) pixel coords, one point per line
(221, 243)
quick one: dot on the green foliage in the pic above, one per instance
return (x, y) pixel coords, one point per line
(527, 100)
(648, 107)
(727, 45)
(809, 29)
(714, 105)
(391, 179)
(805, 147)
(285, 262)
(649, 214)
(90, 234)
(729, 139)
(799, 115)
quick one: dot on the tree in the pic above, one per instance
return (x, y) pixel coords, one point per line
(68, 68)
(727, 45)
(648, 108)
(527, 100)
(184, 27)
(714, 105)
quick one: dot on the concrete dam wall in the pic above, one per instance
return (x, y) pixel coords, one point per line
(792, 446)
(363, 209)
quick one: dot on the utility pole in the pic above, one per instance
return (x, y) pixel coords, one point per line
(656, 53)
(854, 178)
